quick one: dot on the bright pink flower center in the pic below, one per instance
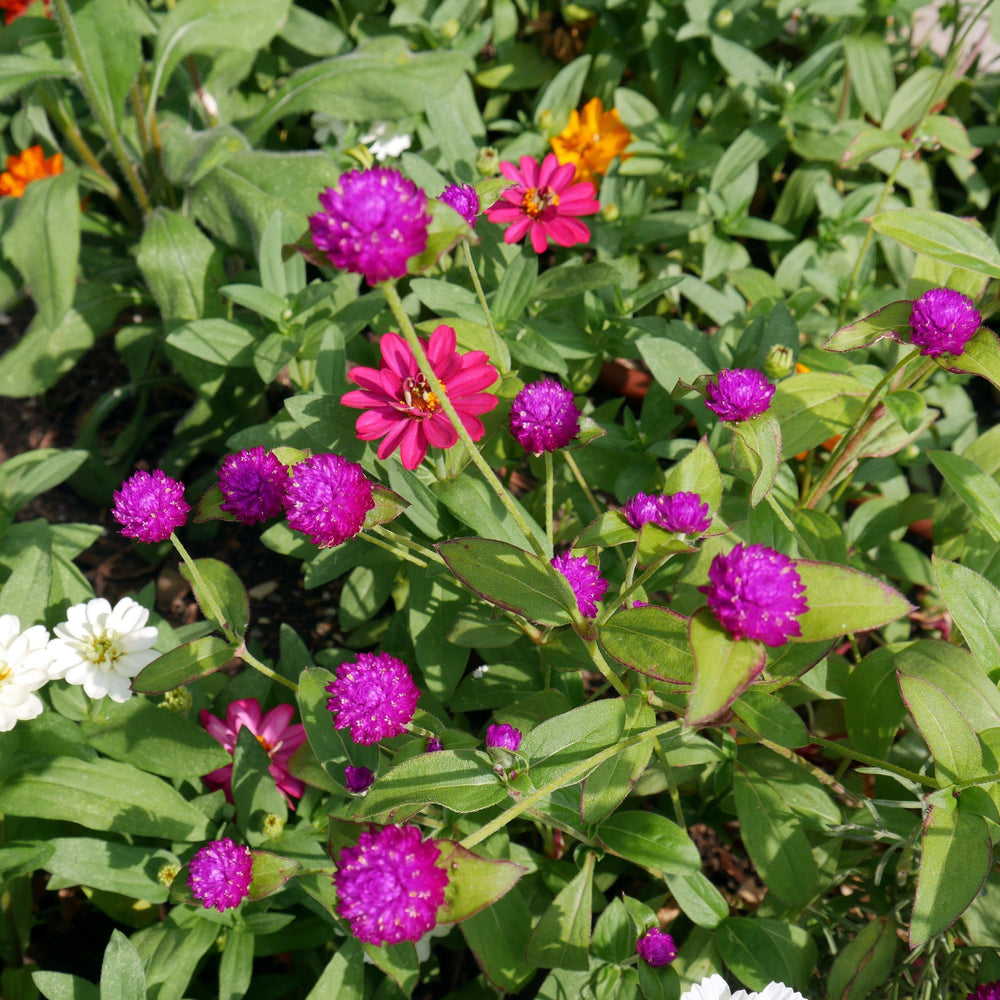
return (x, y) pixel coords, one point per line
(417, 396)
(535, 201)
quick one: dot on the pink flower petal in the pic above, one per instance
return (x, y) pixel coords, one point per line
(439, 432)
(539, 238)
(414, 446)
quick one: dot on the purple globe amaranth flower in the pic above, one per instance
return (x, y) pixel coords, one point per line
(756, 593)
(943, 321)
(464, 199)
(150, 506)
(585, 579)
(358, 779)
(374, 696)
(220, 874)
(253, 484)
(373, 222)
(739, 393)
(327, 499)
(503, 737)
(641, 509)
(543, 416)
(684, 513)
(986, 991)
(656, 948)
(389, 887)
(433, 745)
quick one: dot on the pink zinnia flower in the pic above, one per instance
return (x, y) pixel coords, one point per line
(400, 407)
(274, 733)
(543, 203)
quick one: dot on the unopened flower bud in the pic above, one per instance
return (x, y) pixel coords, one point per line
(779, 362)
(724, 19)
(272, 826)
(488, 161)
(166, 875)
(177, 700)
(610, 212)
(450, 28)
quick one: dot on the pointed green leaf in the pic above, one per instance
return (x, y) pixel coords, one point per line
(650, 840)
(974, 604)
(561, 938)
(473, 882)
(498, 936)
(865, 963)
(651, 640)
(700, 901)
(980, 357)
(761, 438)
(979, 491)
(270, 873)
(891, 321)
(344, 975)
(183, 664)
(760, 950)
(941, 237)
(945, 730)
(122, 976)
(221, 596)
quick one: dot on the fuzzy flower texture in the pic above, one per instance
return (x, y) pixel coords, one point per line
(464, 199)
(544, 203)
(503, 737)
(374, 697)
(683, 513)
(328, 499)
(150, 506)
(372, 223)
(220, 874)
(986, 991)
(585, 579)
(656, 948)
(756, 593)
(943, 321)
(253, 484)
(389, 887)
(543, 417)
(400, 406)
(737, 394)
(716, 988)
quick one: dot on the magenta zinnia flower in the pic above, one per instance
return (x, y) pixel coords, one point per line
(400, 407)
(374, 222)
(943, 321)
(756, 593)
(388, 887)
(543, 416)
(586, 580)
(274, 733)
(253, 484)
(656, 948)
(220, 874)
(150, 505)
(739, 393)
(327, 499)
(543, 203)
(374, 696)
(503, 737)
(464, 199)
(986, 991)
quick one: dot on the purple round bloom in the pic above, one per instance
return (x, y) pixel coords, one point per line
(464, 199)
(543, 416)
(739, 393)
(943, 321)
(586, 580)
(684, 513)
(253, 483)
(220, 874)
(756, 593)
(388, 887)
(433, 745)
(358, 779)
(374, 696)
(656, 948)
(373, 222)
(986, 991)
(327, 499)
(641, 509)
(150, 505)
(503, 737)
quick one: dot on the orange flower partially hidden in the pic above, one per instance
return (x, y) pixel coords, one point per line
(15, 8)
(23, 168)
(591, 140)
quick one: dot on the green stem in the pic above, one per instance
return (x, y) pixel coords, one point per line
(588, 492)
(787, 522)
(567, 778)
(549, 490)
(398, 551)
(421, 550)
(862, 758)
(410, 334)
(675, 797)
(848, 798)
(500, 352)
(247, 657)
(609, 675)
(632, 587)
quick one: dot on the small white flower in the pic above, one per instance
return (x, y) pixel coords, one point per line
(102, 647)
(384, 141)
(24, 668)
(716, 988)
(481, 671)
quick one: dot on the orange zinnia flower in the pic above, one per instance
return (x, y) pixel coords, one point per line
(591, 140)
(23, 168)
(15, 8)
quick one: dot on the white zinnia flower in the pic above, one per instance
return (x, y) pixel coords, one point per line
(384, 141)
(716, 988)
(102, 647)
(24, 668)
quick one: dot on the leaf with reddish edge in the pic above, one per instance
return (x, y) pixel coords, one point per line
(980, 357)
(270, 873)
(210, 507)
(843, 600)
(183, 664)
(761, 439)
(388, 506)
(723, 667)
(886, 322)
(473, 882)
(651, 640)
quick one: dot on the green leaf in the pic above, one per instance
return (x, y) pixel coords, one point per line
(498, 937)
(865, 963)
(111, 46)
(676, 352)
(978, 491)
(955, 859)
(561, 743)
(18, 72)
(26, 592)
(868, 142)
(473, 882)
(774, 839)
(941, 237)
(891, 321)
(873, 708)
(108, 865)
(912, 99)
(760, 950)
(216, 341)
(843, 600)
(270, 873)
(872, 77)
(183, 664)
(561, 938)
(723, 667)
(700, 901)
(652, 841)
(63, 986)
(980, 357)
(772, 718)
(651, 640)
(511, 578)
(697, 472)
(974, 604)
(255, 792)
(460, 780)
(945, 730)
(122, 976)
(102, 795)
(221, 596)
(761, 439)
(814, 406)
(515, 289)
(236, 964)
(344, 975)
(43, 243)
(475, 504)
(23, 477)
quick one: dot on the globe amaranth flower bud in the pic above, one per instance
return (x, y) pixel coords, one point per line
(656, 948)
(585, 579)
(543, 417)
(150, 505)
(220, 874)
(253, 484)
(358, 779)
(433, 745)
(943, 321)
(737, 394)
(779, 362)
(374, 696)
(167, 873)
(503, 737)
(464, 199)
